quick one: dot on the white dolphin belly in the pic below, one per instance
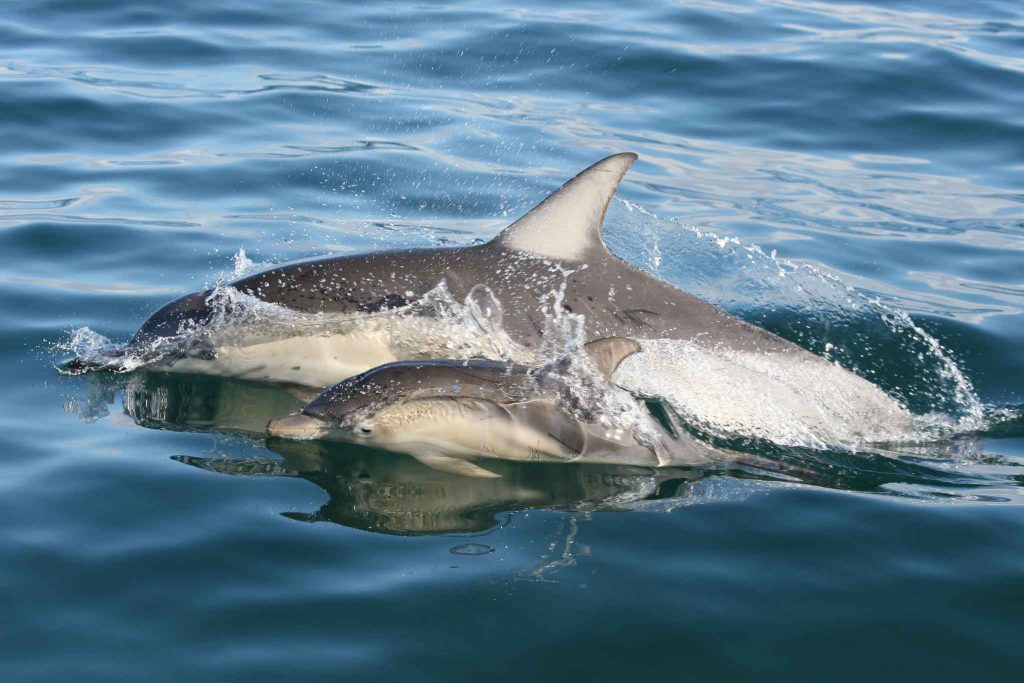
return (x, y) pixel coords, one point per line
(313, 361)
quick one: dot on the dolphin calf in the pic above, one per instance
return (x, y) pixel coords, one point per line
(331, 315)
(445, 413)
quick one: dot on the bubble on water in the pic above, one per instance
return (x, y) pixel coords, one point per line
(589, 395)
(484, 308)
(472, 549)
(82, 341)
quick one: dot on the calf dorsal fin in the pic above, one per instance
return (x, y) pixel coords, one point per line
(609, 352)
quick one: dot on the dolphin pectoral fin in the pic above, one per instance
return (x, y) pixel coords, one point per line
(547, 418)
(567, 225)
(444, 463)
(608, 353)
(663, 454)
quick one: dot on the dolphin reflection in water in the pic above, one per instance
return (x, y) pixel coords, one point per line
(395, 494)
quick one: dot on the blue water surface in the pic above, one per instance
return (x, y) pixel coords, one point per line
(876, 148)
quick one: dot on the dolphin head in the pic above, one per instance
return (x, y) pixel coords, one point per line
(173, 332)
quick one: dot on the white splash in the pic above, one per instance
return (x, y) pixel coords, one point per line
(787, 399)
(243, 265)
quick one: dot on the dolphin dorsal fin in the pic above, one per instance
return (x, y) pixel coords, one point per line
(567, 225)
(609, 352)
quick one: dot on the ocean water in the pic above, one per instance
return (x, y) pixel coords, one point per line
(848, 174)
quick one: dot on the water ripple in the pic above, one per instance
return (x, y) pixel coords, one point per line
(805, 163)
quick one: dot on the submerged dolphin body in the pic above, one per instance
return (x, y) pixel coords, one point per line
(445, 413)
(550, 261)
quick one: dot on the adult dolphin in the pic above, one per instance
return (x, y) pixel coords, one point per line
(556, 248)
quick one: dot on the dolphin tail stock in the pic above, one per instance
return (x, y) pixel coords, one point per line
(567, 224)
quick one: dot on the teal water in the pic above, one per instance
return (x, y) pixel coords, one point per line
(150, 533)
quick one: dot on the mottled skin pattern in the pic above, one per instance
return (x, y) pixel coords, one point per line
(615, 298)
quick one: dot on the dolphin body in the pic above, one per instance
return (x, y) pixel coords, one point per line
(549, 262)
(445, 413)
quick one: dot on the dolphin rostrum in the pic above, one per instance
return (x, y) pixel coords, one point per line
(447, 412)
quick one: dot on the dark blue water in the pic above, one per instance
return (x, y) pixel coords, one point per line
(149, 533)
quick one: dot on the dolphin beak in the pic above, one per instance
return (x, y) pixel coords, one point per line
(301, 427)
